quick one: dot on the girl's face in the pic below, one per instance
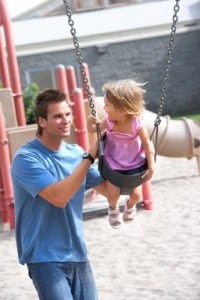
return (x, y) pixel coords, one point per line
(113, 112)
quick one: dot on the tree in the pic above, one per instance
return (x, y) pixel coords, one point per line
(29, 94)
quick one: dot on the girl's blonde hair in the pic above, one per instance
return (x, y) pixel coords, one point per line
(126, 95)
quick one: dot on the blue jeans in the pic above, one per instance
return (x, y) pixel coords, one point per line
(63, 281)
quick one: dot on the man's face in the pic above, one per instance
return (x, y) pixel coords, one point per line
(58, 122)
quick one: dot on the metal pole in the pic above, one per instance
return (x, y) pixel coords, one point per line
(147, 195)
(80, 118)
(12, 63)
(61, 79)
(3, 62)
(71, 80)
(3, 215)
(5, 170)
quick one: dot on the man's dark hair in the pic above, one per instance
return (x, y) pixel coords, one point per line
(42, 101)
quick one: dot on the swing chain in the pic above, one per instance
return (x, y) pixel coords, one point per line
(79, 56)
(168, 63)
(166, 76)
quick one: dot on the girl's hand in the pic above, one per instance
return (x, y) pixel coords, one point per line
(148, 174)
(91, 123)
(93, 119)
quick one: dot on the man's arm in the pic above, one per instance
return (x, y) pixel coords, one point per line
(61, 192)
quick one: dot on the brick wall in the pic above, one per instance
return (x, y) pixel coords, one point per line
(143, 60)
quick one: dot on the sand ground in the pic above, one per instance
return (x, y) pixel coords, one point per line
(155, 257)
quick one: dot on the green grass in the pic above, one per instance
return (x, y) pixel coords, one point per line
(195, 117)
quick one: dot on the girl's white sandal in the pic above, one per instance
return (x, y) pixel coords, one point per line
(113, 217)
(129, 213)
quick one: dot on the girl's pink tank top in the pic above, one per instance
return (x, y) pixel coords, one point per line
(123, 151)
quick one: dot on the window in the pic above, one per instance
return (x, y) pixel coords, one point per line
(43, 77)
(46, 78)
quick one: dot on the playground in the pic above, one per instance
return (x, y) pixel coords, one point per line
(174, 139)
(157, 256)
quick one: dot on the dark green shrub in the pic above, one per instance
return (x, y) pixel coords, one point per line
(29, 94)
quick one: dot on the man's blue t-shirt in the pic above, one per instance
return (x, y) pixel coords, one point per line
(44, 232)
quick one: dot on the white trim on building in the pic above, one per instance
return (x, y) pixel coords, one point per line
(106, 26)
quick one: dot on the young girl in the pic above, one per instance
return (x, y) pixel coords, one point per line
(127, 146)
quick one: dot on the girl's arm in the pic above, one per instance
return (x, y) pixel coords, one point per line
(149, 151)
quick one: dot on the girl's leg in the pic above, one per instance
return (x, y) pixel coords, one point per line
(130, 204)
(113, 193)
(134, 196)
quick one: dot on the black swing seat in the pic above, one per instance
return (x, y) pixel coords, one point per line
(125, 182)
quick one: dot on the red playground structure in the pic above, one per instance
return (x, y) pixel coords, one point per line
(66, 82)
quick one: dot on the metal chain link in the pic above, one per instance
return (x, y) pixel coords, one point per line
(168, 63)
(79, 56)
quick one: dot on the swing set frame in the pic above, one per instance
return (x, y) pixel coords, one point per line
(125, 182)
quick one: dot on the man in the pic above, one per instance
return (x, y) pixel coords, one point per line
(49, 178)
